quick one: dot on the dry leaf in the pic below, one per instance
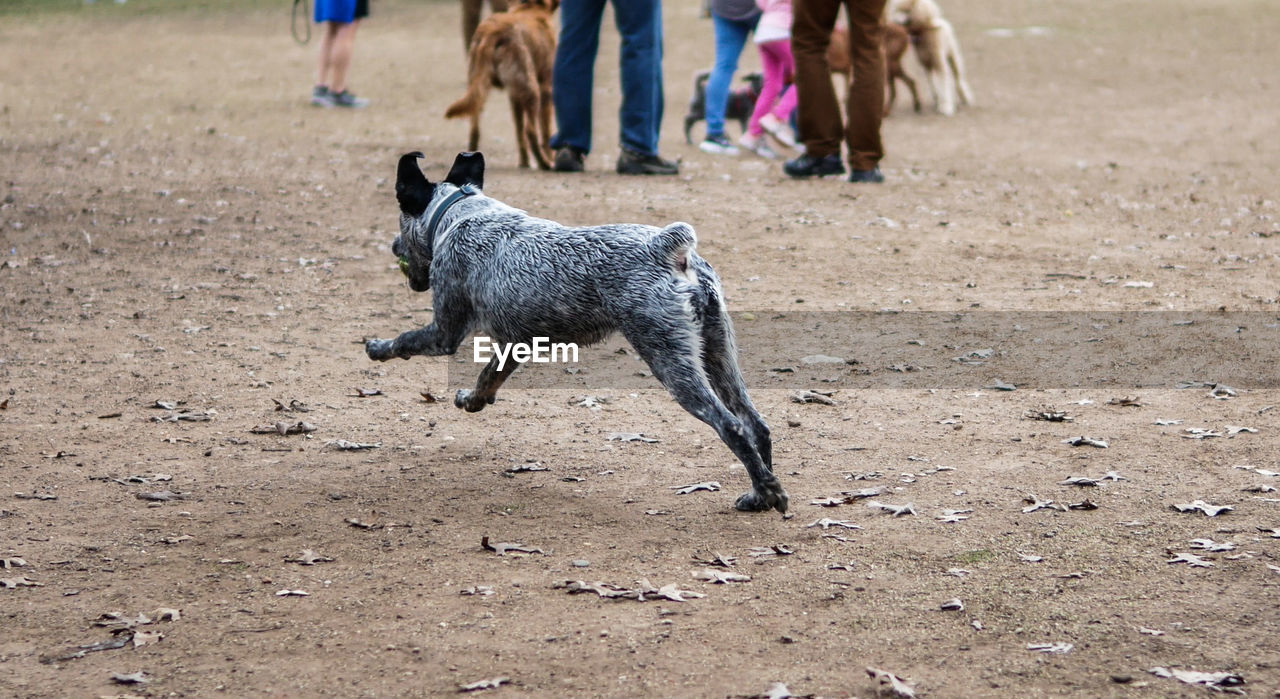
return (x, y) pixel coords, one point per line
(524, 468)
(1190, 559)
(362, 525)
(344, 445)
(1202, 506)
(1083, 481)
(142, 638)
(484, 684)
(895, 510)
(720, 576)
(812, 397)
(12, 562)
(11, 583)
(1212, 546)
(1050, 415)
(131, 678)
(478, 590)
(366, 392)
(505, 548)
(1083, 441)
(775, 550)
(629, 437)
(1051, 648)
(291, 593)
(1125, 402)
(714, 559)
(1217, 681)
(160, 496)
(309, 558)
(827, 523)
(429, 397)
(167, 614)
(284, 428)
(953, 516)
(891, 684)
(686, 489)
(952, 605)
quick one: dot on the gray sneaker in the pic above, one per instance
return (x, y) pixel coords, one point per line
(321, 97)
(346, 99)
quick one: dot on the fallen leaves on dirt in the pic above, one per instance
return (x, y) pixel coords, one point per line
(186, 416)
(1191, 560)
(643, 592)
(11, 583)
(12, 562)
(525, 468)
(1202, 506)
(292, 593)
(1048, 414)
(285, 428)
(131, 678)
(365, 392)
(767, 551)
(714, 559)
(1228, 682)
(478, 591)
(826, 523)
(503, 549)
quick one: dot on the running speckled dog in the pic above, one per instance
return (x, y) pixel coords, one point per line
(498, 271)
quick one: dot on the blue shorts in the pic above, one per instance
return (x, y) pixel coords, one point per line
(341, 11)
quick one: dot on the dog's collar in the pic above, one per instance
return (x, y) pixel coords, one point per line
(439, 210)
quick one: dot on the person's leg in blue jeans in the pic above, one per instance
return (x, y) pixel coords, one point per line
(573, 79)
(731, 36)
(640, 24)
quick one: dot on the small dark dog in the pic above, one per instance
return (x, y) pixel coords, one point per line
(742, 101)
(499, 271)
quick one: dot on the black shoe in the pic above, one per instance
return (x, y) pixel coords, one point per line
(808, 166)
(873, 175)
(633, 163)
(568, 159)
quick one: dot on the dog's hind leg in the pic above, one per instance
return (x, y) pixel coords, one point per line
(533, 109)
(491, 379)
(675, 361)
(518, 115)
(956, 64)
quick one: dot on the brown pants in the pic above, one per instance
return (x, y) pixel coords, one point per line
(819, 114)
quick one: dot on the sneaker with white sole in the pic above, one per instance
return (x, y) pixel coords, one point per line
(779, 130)
(321, 97)
(348, 100)
(758, 145)
(718, 144)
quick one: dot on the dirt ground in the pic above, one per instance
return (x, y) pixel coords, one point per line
(180, 227)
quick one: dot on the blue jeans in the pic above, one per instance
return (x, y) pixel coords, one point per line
(731, 36)
(640, 117)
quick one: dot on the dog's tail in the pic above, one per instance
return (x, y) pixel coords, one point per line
(673, 244)
(479, 76)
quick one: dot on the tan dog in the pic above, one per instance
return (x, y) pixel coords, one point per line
(894, 40)
(937, 49)
(514, 50)
(471, 17)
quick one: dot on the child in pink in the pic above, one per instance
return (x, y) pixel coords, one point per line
(775, 105)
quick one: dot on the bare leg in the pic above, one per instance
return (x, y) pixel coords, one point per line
(341, 48)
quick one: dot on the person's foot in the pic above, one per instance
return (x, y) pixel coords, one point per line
(633, 163)
(809, 166)
(321, 97)
(718, 144)
(873, 175)
(348, 100)
(779, 130)
(568, 159)
(758, 145)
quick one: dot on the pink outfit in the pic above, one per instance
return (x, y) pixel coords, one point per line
(773, 38)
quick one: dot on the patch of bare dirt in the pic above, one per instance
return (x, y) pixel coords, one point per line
(192, 254)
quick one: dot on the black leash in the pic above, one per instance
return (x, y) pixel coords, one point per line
(306, 21)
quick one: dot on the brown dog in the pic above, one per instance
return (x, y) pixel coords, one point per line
(514, 50)
(471, 17)
(894, 40)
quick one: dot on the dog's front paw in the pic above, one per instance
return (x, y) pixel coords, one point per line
(769, 497)
(380, 350)
(468, 401)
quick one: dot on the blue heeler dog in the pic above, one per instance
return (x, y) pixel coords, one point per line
(498, 271)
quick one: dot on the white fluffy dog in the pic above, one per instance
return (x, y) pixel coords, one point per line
(937, 48)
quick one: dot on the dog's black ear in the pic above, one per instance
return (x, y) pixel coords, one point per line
(468, 168)
(413, 191)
